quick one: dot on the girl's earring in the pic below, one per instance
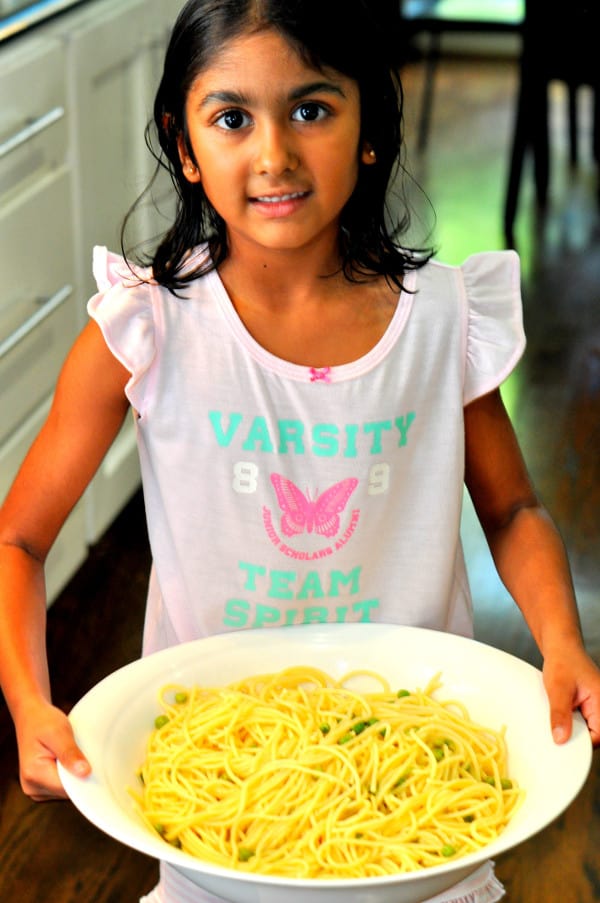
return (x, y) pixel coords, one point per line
(368, 155)
(191, 172)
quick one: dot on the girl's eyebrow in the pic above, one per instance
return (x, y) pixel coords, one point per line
(316, 88)
(232, 97)
(239, 99)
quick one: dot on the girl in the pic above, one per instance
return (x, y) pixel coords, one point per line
(309, 395)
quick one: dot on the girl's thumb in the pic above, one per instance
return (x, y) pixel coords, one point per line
(561, 713)
(561, 731)
(75, 762)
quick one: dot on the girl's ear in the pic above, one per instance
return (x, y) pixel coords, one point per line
(190, 170)
(368, 155)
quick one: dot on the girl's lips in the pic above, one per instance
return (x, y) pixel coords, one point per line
(278, 205)
(274, 198)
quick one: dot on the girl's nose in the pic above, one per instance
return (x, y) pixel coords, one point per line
(275, 151)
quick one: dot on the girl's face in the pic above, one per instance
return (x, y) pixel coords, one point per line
(275, 144)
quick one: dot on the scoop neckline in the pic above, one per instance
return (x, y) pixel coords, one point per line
(300, 372)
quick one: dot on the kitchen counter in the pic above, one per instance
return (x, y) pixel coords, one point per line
(17, 16)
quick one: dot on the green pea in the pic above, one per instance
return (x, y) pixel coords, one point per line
(245, 853)
(181, 697)
(324, 728)
(160, 721)
(448, 850)
(402, 693)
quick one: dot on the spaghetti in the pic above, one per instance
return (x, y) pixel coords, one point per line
(299, 775)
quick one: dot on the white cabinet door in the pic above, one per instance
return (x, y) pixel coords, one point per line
(112, 98)
(115, 53)
(75, 98)
(38, 307)
(39, 310)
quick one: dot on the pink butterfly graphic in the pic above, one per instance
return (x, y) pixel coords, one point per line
(301, 513)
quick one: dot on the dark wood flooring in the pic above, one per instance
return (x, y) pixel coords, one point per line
(51, 854)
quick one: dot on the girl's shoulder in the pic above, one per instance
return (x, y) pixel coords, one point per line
(487, 291)
(112, 270)
(479, 274)
(132, 309)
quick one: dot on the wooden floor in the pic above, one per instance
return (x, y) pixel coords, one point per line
(48, 852)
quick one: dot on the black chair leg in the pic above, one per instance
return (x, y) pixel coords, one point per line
(573, 130)
(540, 141)
(520, 142)
(596, 122)
(514, 182)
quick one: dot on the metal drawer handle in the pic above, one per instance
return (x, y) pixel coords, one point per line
(32, 128)
(48, 307)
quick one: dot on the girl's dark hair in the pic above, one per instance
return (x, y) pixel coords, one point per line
(346, 35)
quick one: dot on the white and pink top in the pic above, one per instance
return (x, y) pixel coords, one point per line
(278, 494)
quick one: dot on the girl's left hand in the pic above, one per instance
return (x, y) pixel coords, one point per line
(572, 681)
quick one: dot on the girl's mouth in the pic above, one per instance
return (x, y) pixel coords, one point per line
(277, 198)
(279, 205)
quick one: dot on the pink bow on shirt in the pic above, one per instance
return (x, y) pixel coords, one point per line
(323, 373)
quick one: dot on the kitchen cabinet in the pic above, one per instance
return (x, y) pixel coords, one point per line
(75, 96)
(112, 86)
(115, 61)
(38, 303)
(115, 52)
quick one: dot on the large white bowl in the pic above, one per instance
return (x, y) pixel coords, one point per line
(113, 720)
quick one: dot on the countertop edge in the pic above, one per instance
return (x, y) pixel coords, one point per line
(24, 19)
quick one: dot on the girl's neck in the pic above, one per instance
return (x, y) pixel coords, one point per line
(301, 309)
(273, 278)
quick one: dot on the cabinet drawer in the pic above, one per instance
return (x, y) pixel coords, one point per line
(70, 548)
(38, 308)
(33, 117)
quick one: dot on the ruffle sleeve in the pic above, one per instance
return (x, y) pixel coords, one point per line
(495, 337)
(123, 310)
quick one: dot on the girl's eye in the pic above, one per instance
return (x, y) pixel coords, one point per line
(309, 111)
(232, 120)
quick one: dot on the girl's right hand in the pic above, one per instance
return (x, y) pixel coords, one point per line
(44, 737)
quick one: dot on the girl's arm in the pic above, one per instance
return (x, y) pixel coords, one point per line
(87, 411)
(531, 561)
